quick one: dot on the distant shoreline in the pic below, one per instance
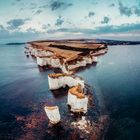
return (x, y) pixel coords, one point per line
(15, 43)
(87, 41)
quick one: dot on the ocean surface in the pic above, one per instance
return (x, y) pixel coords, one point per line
(24, 91)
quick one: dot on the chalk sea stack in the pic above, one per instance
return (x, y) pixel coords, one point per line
(53, 114)
(77, 100)
(58, 80)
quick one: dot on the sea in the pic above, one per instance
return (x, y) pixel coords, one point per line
(24, 90)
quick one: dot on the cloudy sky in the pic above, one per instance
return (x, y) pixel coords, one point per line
(57, 19)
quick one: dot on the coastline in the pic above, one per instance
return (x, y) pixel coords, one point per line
(99, 122)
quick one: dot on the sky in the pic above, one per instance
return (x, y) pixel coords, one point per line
(25, 20)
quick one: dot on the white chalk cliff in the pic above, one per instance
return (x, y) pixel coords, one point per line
(85, 60)
(48, 58)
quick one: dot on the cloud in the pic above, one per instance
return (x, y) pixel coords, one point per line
(90, 14)
(18, 36)
(44, 6)
(105, 20)
(45, 27)
(21, 9)
(33, 6)
(32, 30)
(59, 21)
(137, 11)
(16, 23)
(38, 12)
(125, 10)
(3, 31)
(94, 2)
(128, 11)
(125, 30)
(100, 30)
(55, 5)
(112, 5)
(1, 27)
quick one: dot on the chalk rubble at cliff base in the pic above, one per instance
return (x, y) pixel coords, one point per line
(82, 124)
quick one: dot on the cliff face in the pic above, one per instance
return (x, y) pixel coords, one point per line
(85, 60)
(51, 61)
(66, 56)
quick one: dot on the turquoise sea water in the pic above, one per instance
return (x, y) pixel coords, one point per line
(115, 79)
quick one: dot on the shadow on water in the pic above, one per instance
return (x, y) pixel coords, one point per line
(62, 92)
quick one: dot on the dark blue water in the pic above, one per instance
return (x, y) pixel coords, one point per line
(24, 91)
(117, 79)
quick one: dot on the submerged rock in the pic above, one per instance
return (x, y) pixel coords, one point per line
(83, 125)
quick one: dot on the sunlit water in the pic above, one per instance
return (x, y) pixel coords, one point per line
(115, 79)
